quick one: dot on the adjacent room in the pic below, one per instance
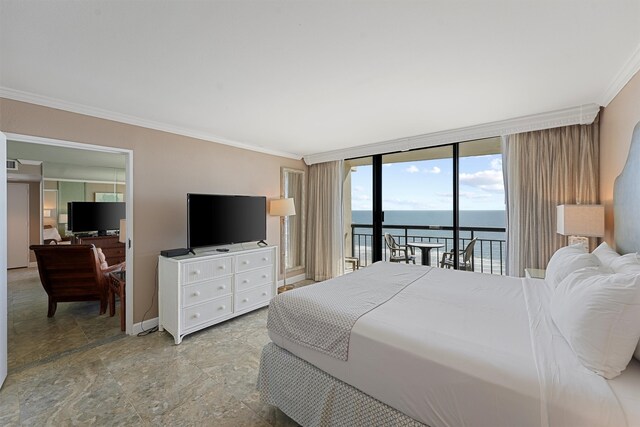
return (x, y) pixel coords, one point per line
(320, 213)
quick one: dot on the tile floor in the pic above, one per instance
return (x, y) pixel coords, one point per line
(79, 369)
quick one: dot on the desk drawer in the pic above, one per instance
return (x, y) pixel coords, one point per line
(252, 297)
(254, 260)
(202, 313)
(204, 291)
(250, 279)
(205, 270)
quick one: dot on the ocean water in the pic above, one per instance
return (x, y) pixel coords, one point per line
(496, 219)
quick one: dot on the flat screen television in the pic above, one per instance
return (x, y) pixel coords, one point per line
(86, 217)
(217, 219)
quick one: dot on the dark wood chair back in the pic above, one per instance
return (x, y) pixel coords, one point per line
(71, 273)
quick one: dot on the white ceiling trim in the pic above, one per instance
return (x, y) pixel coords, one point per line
(631, 67)
(32, 98)
(583, 114)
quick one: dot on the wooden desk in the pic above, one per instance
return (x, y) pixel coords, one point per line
(113, 250)
(118, 286)
(426, 247)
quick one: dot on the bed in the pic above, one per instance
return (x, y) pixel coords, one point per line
(414, 345)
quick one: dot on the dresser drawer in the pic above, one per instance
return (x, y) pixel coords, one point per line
(250, 279)
(202, 313)
(204, 291)
(205, 270)
(254, 260)
(252, 297)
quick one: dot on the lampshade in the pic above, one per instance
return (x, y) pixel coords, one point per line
(122, 235)
(47, 213)
(282, 207)
(63, 219)
(581, 220)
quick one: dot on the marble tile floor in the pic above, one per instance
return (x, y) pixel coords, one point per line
(114, 379)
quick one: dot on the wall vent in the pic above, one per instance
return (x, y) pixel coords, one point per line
(12, 165)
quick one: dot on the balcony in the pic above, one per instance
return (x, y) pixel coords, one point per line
(489, 254)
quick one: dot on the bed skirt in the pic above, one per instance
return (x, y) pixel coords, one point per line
(311, 397)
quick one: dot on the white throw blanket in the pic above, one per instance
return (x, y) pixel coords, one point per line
(321, 316)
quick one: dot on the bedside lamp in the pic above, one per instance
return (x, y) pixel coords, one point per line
(47, 213)
(580, 222)
(283, 208)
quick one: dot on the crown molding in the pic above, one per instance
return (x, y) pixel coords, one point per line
(583, 114)
(44, 101)
(629, 69)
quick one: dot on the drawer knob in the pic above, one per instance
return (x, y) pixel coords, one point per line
(222, 267)
(222, 287)
(264, 276)
(264, 294)
(222, 307)
(245, 262)
(196, 315)
(196, 272)
(245, 300)
(265, 259)
(245, 281)
(196, 294)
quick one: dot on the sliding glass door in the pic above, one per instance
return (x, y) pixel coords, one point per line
(417, 201)
(444, 205)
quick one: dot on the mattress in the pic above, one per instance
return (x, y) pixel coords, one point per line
(456, 349)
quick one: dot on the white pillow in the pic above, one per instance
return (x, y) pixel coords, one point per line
(599, 315)
(628, 263)
(605, 254)
(51, 233)
(567, 260)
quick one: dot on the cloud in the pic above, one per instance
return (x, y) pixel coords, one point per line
(357, 189)
(487, 180)
(496, 164)
(363, 197)
(434, 169)
(412, 169)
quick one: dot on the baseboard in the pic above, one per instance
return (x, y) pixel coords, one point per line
(33, 264)
(294, 279)
(146, 325)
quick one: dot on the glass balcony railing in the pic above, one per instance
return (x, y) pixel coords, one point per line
(489, 255)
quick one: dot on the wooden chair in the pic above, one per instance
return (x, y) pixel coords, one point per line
(73, 273)
(399, 253)
(466, 263)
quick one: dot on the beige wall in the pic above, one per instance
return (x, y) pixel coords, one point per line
(616, 126)
(166, 167)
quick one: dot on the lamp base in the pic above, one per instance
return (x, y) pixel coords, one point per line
(285, 288)
(575, 240)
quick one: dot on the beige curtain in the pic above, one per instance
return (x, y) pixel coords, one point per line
(324, 221)
(544, 169)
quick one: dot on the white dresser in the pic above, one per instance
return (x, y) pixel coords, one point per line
(199, 291)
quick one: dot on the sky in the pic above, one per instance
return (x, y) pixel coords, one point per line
(427, 185)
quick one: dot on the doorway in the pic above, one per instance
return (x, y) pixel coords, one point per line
(53, 208)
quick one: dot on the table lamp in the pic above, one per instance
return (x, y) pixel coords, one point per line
(580, 222)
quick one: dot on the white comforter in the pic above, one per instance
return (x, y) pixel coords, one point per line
(467, 349)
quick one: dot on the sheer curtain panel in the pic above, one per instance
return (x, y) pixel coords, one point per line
(324, 221)
(543, 169)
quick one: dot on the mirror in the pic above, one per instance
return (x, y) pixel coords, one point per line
(293, 184)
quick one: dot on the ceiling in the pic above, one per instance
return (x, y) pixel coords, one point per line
(299, 78)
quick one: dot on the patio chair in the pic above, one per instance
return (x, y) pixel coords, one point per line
(399, 253)
(466, 260)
